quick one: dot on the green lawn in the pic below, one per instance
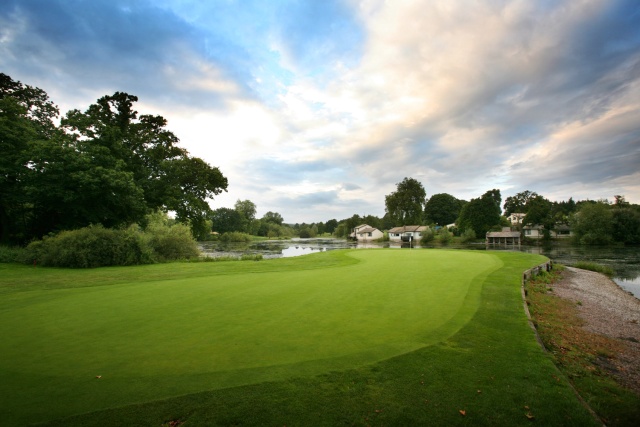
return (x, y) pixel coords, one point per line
(296, 330)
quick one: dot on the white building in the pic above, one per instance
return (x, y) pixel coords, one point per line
(407, 233)
(365, 232)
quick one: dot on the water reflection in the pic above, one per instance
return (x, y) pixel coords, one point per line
(624, 260)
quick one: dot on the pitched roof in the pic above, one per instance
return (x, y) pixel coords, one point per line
(367, 230)
(503, 234)
(408, 228)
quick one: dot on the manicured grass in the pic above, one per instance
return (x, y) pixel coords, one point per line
(326, 339)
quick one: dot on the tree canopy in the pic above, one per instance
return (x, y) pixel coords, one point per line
(481, 214)
(106, 165)
(406, 205)
(442, 209)
(519, 202)
(592, 224)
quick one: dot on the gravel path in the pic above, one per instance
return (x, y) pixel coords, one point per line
(607, 310)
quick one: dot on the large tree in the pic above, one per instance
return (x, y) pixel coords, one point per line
(273, 218)
(26, 120)
(442, 209)
(539, 212)
(104, 165)
(247, 210)
(593, 224)
(481, 214)
(169, 178)
(519, 202)
(406, 205)
(226, 220)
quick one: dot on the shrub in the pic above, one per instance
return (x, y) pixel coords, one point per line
(445, 237)
(305, 233)
(171, 242)
(89, 247)
(384, 238)
(427, 237)
(96, 246)
(469, 235)
(11, 254)
(251, 257)
(235, 236)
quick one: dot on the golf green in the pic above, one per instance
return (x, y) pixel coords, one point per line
(75, 350)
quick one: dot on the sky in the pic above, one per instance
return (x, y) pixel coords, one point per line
(316, 109)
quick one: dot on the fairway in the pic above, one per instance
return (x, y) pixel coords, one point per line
(155, 338)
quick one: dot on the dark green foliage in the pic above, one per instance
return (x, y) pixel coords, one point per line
(97, 246)
(468, 235)
(330, 226)
(593, 224)
(427, 237)
(519, 202)
(26, 119)
(226, 220)
(171, 243)
(442, 209)
(444, 236)
(406, 205)
(11, 254)
(235, 236)
(305, 233)
(346, 226)
(273, 217)
(103, 166)
(539, 212)
(90, 247)
(481, 214)
(247, 211)
(626, 225)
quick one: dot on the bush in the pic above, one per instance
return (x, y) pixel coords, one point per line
(469, 235)
(235, 236)
(96, 246)
(10, 254)
(445, 237)
(171, 243)
(89, 247)
(427, 237)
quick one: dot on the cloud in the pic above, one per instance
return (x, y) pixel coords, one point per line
(318, 109)
(100, 47)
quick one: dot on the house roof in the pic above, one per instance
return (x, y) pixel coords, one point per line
(367, 230)
(407, 228)
(503, 234)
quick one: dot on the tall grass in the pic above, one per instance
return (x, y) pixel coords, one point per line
(598, 268)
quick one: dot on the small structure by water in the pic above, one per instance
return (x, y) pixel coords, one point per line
(506, 238)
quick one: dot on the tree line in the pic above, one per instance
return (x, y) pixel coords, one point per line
(106, 165)
(111, 166)
(592, 222)
(242, 219)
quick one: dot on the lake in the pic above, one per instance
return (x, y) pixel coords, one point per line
(625, 260)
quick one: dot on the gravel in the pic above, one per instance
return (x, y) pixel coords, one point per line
(607, 310)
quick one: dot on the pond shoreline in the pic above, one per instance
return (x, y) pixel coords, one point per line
(608, 310)
(624, 260)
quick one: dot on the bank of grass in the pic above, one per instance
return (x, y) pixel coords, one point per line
(581, 355)
(367, 337)
(592, 266)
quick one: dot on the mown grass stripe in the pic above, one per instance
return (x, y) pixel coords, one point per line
(446, 288)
